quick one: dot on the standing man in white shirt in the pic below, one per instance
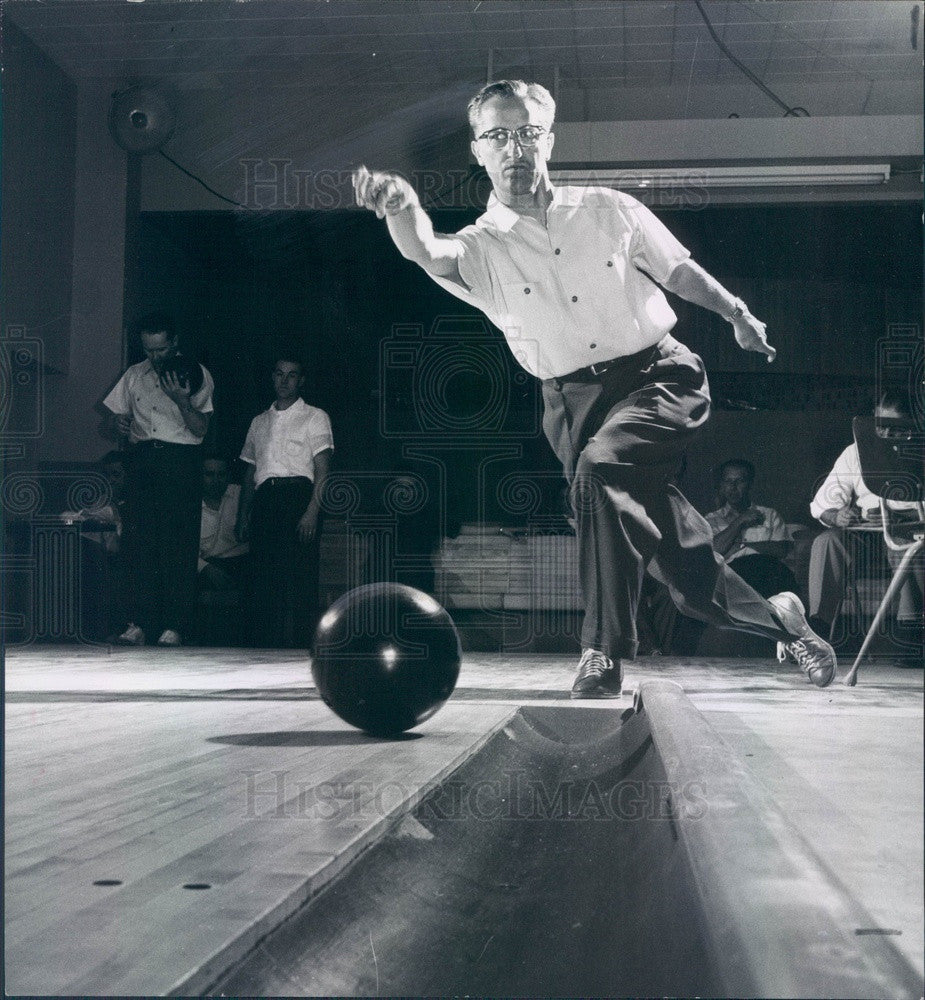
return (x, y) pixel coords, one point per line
(571, 277)
(288, 455)
(165, 417)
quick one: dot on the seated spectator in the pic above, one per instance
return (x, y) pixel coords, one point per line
(222, 558)
(844, 502)
(751, 538)
(104, 519)
(104, 575)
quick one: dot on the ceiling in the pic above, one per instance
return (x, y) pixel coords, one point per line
(853, 56)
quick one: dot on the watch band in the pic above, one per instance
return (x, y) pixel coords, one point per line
(738, 312)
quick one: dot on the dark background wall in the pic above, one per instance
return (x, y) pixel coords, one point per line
(834, 284)
(39, 126)
(38, 156)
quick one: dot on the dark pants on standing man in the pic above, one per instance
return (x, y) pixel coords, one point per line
(620, 437)
(164, 507)
(285, 571)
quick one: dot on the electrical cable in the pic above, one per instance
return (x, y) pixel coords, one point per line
(440, 195)
(798, 112)
(199, 180)
(432, 202)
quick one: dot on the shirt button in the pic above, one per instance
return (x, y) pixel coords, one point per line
(610, 263)
(574, 298)
(593, 346)
(526, 291)
(558, 251)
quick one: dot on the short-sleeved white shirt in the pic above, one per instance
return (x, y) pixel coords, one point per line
(771, 529)
(284, 443)
(580, 290)
(844, 485)
(155, 416)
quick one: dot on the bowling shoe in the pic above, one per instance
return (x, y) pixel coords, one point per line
(812, 654)
(132, 636)
(598, 676)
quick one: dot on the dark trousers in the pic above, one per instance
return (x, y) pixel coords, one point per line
(164, 483)
(620, 438)
(284, 571)
(764, 573)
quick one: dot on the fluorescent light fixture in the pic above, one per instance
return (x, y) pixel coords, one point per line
(783, 175)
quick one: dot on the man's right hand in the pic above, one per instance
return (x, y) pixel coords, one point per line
(845, 517)
(751, 517)
(123, 424)
(382, 193)
(242, 529)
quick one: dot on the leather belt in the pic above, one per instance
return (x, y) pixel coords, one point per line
(158, 444)
(284, 480)
(590, 373)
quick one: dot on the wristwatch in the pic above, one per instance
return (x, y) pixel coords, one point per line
(738, 312)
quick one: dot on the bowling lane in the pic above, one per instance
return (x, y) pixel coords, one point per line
(158, 769)
(517, 877)
(116, 807)
(587, 852)
(849, 774)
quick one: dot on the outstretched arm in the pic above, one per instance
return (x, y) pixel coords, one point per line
(391, 197)
(689, 281)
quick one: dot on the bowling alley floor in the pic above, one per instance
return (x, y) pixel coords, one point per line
(166, 809)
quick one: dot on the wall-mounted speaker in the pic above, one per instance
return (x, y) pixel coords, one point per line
(141, 120)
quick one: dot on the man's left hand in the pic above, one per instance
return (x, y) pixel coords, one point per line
(750, 335)
(308, 525)
(178, 391)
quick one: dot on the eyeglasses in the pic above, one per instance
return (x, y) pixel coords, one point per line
(527, 136)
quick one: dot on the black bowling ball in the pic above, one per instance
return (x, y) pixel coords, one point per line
(186, 371)
(385, 658)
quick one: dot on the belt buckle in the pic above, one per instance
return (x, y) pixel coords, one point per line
(599, 367)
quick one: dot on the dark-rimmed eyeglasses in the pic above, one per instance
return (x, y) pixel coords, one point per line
(527, 136)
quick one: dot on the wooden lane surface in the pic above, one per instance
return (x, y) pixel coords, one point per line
(163, 767)
(263, 800)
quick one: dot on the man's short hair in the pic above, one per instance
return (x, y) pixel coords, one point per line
(895, 399)
(157, 322)
(736, 463)
(535, 92)
(293, 357)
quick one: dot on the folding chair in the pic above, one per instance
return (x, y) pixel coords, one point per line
(890, 454)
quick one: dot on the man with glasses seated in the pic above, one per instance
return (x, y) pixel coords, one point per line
(845, 506)
(571, 276)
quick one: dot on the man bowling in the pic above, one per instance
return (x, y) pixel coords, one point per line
(571, 276)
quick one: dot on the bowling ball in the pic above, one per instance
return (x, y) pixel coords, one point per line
(186, 371)
(385, 657)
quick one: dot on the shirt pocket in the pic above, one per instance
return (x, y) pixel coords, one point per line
(294, 448)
